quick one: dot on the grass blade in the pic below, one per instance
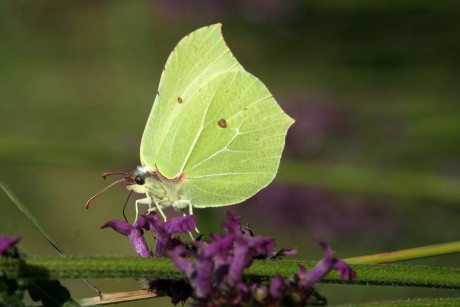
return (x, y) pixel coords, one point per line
(15, 200)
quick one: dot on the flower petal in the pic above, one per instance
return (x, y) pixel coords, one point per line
(134, 233)
(328, 263)
(6, 243)
(276, 287)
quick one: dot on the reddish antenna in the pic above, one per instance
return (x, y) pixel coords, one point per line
(104, 175)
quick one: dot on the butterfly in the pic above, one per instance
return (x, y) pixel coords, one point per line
(215, 134)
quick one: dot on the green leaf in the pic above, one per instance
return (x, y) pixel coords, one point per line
(50, 293)
(11, 291)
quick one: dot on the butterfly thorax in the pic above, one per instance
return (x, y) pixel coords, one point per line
(151, 183)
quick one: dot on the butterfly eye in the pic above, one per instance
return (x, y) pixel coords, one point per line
(139, 180)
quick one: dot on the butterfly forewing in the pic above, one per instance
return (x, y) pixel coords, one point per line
(196, 59)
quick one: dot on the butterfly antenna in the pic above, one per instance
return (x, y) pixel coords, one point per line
(124, 207)
(105, 175)
(88, 203)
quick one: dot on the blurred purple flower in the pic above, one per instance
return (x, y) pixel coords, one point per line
(6, 243)
(325, 214)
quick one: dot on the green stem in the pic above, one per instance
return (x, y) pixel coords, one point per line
(408, 254)
(390, 275)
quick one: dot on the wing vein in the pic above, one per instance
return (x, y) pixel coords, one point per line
(173, 114)
(198, 135)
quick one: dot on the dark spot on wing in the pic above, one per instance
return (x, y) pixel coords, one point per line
(179, 100)
(222, 123)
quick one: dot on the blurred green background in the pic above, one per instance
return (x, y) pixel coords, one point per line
(372, 163)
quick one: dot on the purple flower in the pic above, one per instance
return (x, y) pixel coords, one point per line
(277, 286)
(162, 231)
(298, 290)
(6, 243)
(179, 290)
(220, 263)
(284, 252)
(327, 264)
(331, 263)
(215, 268)
(134, 233)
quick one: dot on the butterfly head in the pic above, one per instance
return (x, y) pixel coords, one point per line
(140, 179)
(136, 181)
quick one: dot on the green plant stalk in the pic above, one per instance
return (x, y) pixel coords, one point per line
(72, 268)
(408, 254)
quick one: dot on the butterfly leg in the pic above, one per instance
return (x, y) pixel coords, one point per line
(143, 201)
(162, 203)
(189, 232)
(190, 211)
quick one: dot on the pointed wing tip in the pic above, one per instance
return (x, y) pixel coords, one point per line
(217, 25)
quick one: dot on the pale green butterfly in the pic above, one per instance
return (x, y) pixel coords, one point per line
(215, 134)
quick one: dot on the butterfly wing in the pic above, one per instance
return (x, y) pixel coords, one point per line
(196, 59)
(228, 140)
(213, 123)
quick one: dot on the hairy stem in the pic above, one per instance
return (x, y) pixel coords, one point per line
(388, 275)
